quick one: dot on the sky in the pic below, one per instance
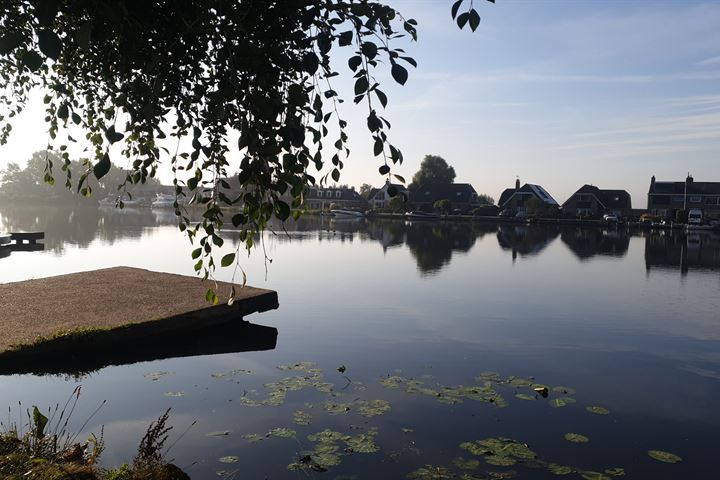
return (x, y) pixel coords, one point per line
(559, 93)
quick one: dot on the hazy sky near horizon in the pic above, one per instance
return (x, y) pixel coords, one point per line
(559, 92)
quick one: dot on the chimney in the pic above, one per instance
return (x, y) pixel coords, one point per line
(652, 183)
(517, 183)
(689, 178)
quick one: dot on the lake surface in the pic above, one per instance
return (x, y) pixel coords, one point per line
(628, 320)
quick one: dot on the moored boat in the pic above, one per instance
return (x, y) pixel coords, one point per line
(417, 215)
(347, 213)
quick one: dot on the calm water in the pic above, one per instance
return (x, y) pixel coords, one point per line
(629, 320)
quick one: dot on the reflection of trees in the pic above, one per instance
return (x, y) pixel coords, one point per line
(526, 240)
(684, 251)
(588, 242)
(79, 226)
(433, 243)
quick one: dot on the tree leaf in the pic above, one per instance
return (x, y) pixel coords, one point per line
(10, 41)
(345, 38)
(49, 43)
(310, 62)
(384, 169)
(196, 253)
(369, 49)
(282, 210)
(32, 60)
(474, 19)
(227, 260)
(102, 167)
(462, 19)
(40, 421)
(354, 62)
(361, 85)
(382, 97)
(455, 8)
(62, 111)
(399, 73)
(336, 174)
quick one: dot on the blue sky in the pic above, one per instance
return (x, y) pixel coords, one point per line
(559, 93)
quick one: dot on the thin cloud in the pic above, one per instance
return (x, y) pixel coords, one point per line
(710, 61)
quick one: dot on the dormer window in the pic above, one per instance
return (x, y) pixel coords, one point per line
(338, 194)
(319, 193)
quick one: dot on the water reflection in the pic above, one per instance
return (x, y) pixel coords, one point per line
(682, 251)
(93, 352)
(587, 242)
(526, 240)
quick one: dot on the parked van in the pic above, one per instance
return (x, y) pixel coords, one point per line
(695, 216)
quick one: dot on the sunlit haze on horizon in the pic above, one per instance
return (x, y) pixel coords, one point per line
(558, 93)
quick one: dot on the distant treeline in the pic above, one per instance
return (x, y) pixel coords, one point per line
(28, 185)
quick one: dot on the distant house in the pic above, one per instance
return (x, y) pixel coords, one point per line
(462, 196)
(379, 197)
(590, 200)
(666, 198)
(344, 198)
(516, 198)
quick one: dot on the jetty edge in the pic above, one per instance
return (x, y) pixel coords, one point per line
(129, 302)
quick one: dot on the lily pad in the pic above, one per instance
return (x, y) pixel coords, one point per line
(431, 472)
(229, 459)
(615, 472)
(594, 476)
(466, 463)
(174, 394)
(556, 469)
(219, 433)
(232, 373)
(373, 408)
(576, 438)
(564, 390)
(662, 456)
(525, 396)
(301, 418)
(597, 410)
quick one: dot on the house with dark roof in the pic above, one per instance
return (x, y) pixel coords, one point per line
(666, 198)
(380, 198)
(344, 198)
(592, 201)
(462, 196)
(516, 199)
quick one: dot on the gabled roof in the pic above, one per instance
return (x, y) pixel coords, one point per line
(678, 188)
(608, 198)
(331, 193)
(400, 188)
(528, 189)
(455, 192)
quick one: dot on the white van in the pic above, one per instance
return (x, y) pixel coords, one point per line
(695, 216)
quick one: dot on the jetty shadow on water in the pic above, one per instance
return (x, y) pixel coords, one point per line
(87, 352)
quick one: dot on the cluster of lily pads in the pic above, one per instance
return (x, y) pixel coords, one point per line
(330, 446)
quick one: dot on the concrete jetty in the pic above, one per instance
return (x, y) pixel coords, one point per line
(122, 302)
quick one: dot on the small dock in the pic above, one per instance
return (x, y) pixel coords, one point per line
(21, 242)
(116, 308)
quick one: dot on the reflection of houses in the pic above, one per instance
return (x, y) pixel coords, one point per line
(589, 200)
(433, 243)
(525, 241)
(462, 196)
(379, 197)
(674, 250)
(516, 199)
(588, 242)
(389, 233)
(665, 198)
(344, 198)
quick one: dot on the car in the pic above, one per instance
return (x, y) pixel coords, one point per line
(506, 213)
(610, 217)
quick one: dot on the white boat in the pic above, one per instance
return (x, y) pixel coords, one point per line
(347, 213)
(163, 200)
(5, 239)
(417, 215)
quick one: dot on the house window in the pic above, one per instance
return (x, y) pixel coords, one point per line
(678, 199)
(319, 193)
(338, 194)
(711, 200)
(695, 199)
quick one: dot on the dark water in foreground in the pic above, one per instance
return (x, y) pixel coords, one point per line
(629, 320)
